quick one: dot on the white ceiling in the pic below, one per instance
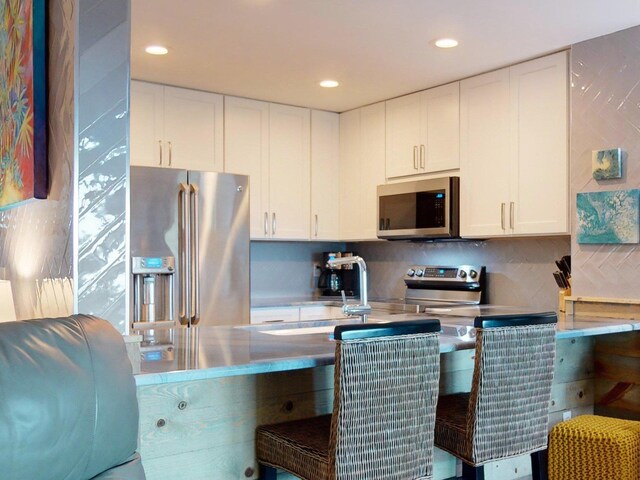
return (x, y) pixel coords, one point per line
(278, 50)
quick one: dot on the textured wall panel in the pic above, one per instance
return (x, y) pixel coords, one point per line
(520, 271)
(605, 113)
(35, 238)
(102, 159)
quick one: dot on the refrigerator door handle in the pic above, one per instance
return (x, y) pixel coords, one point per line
(184, 254)
(195, 254)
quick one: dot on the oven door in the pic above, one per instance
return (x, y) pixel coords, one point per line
(422, 209)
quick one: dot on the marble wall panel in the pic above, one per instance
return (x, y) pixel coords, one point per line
(102, 129)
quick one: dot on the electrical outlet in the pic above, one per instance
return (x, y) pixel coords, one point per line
(566, 415)
(317, 270)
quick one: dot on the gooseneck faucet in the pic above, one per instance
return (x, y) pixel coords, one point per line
(363, 308)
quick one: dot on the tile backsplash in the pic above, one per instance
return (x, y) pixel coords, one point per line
(519, 270)
(604, 114)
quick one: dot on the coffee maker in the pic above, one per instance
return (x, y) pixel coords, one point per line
(333, 280)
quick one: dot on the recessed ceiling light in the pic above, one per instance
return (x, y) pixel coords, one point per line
(156, 50)
(329, 83)
(446, 43)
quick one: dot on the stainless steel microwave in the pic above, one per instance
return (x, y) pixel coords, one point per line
(421, 209)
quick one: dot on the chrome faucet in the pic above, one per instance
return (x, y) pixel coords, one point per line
(363, 308)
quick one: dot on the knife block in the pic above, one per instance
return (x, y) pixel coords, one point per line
(562, 302)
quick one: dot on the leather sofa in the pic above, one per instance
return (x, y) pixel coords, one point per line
(68, 407)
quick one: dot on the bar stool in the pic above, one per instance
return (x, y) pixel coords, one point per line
(386, 390)
(507, 412)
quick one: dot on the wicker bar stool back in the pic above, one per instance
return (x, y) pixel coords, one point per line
(506, 414)
(386, 390)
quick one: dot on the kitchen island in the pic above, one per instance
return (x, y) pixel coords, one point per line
(199, 410)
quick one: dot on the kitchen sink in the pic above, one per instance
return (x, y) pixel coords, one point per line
(325, 327)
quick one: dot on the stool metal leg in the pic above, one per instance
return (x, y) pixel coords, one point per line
(539, 465)
(472, 473)
(267, 472)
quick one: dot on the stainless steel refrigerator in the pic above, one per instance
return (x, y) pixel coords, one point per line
(201, 219)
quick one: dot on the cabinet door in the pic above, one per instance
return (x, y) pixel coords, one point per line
(289, 172)
(325, 169)
(402, 135)
(440, 129)
(539, 123)
(193, 129)
(372, 167)
(484, 154)
(350, 179)
(246, 136)
(147, 113)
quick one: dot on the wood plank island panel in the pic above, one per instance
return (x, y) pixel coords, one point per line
(617, 361)
(204, 429)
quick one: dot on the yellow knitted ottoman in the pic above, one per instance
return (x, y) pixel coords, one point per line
(591, 447)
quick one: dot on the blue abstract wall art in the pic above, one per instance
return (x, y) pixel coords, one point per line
(606, 164)
(608, 217)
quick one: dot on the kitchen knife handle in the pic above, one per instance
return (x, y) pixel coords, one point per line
(266, 224)
(195, 254)
(273, 223)
(160, 149)
(170, 153)
(316, 224)
(511, 212)
(184, 257)
(502, 207)
(415, 157)
(423, 154)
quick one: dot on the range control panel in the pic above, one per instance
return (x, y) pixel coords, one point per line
(459, 274)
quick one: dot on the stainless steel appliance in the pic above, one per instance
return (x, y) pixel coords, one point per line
(202, 220)
(335, 279)
(153, 287)
(433, 285)
(422, 209)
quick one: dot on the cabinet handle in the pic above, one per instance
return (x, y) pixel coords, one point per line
(266, 224)
(511, 213)
(415, 157)
(273, 223)
(423, 155)
(170, 153)
(316, 225)
(502, 207)
(160, 147)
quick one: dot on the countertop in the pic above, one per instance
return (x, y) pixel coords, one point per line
(222, 351)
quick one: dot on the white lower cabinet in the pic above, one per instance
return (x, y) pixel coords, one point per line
(514, 150)
(362, 169)
(295, 313)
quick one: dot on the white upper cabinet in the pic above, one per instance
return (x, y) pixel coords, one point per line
(325, 170)
(484, 154)
(289, 172)
(362, 169)
(422, 132)
(539, 146)
(514, 150)
(271, 144)
(176, 127)
(246, 140)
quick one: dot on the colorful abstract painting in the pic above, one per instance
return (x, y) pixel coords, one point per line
(606, 164)
(608, 217)
(23, 145)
